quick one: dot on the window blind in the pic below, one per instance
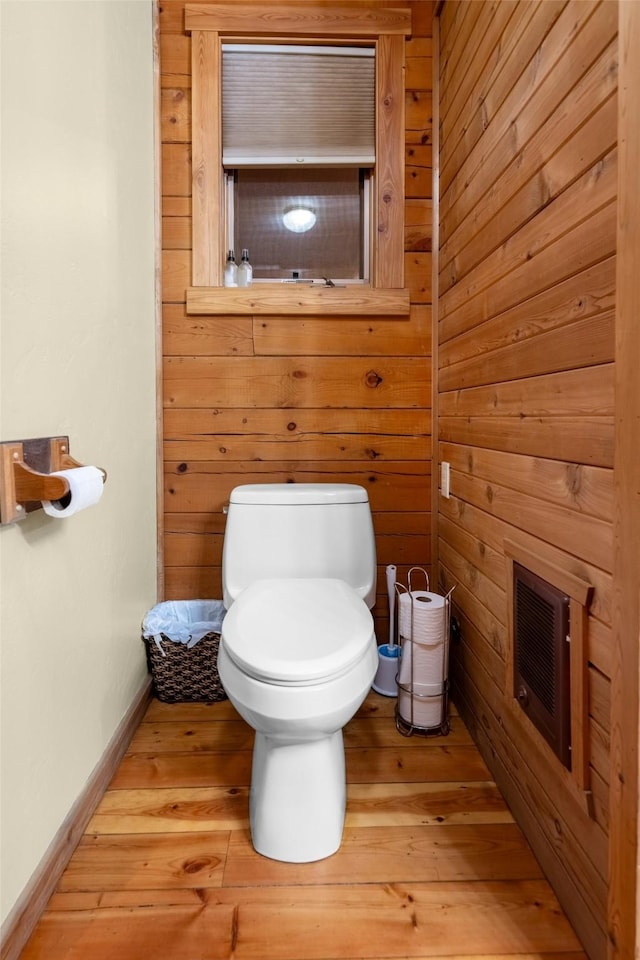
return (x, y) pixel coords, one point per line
(292, 105)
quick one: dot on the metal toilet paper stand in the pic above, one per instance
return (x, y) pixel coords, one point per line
(409, 721)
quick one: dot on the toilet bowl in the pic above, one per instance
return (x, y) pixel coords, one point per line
(297, 658)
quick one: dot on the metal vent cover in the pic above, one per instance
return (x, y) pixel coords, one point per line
(541, 658)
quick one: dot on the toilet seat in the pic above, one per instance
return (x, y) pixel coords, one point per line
(297, 632)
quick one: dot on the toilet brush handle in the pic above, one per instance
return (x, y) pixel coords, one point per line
(391, 590)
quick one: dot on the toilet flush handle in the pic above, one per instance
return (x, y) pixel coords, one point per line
(225, 508)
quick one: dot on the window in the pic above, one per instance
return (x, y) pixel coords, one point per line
(212, 26)
(309, 224)
(298, 150)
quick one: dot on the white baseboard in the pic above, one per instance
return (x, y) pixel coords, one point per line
(22, 919)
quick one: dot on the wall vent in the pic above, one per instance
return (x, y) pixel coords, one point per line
(541, 658)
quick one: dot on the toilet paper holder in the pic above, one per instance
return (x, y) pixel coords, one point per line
(419, 709)
(26, 474)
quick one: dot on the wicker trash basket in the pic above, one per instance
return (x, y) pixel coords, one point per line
(182, 639)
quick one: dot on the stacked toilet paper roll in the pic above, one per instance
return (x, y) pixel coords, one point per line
(423, 667)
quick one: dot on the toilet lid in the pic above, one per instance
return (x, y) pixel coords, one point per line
(297, 631)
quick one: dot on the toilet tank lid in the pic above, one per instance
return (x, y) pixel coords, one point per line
(298, 493)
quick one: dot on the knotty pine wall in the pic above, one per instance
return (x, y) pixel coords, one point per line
(526, 347)
(254, 399)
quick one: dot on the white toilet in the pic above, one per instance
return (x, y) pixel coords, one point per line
(298, 652)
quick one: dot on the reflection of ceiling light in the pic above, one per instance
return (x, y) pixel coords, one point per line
(299, 219)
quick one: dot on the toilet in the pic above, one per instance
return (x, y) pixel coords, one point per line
(298, 652)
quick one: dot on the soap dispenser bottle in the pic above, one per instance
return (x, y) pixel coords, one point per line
(231, 271)
(245, 270)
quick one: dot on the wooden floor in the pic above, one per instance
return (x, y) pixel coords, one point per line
(431, 865)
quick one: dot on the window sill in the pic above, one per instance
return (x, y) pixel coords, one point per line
(285, 299)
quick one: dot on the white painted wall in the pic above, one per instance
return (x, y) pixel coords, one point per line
(77, 358)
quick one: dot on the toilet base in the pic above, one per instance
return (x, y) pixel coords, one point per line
(298, 798)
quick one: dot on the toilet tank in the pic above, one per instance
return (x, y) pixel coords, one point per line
(290, 530)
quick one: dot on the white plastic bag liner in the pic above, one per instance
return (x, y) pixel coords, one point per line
(184, 621)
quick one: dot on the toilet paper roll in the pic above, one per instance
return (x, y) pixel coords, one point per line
(425, 612)
(85, 489)
(422, 626)
(424, 710)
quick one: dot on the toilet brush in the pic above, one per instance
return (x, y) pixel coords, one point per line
(384, 681)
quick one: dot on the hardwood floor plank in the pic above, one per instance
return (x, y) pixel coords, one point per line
(198, 809)
(147, 862)
(434, 762)
(88, 901)
(183, 770)
(186, 810)
(174, 933)
(374, 854)
(222, 735)
(363, 921)
(202, 769)
(159, 712)
(169, 737)
(374, 732)
(395, 854)
(343, 922)
(394, 804)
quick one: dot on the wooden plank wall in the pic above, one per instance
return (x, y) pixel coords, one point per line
(526, 348)
(254, 399)
(624, 797)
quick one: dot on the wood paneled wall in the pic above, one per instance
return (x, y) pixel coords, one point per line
(285, 399)
(526, 347)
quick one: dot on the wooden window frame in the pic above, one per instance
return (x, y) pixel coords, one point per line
(210, 25)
